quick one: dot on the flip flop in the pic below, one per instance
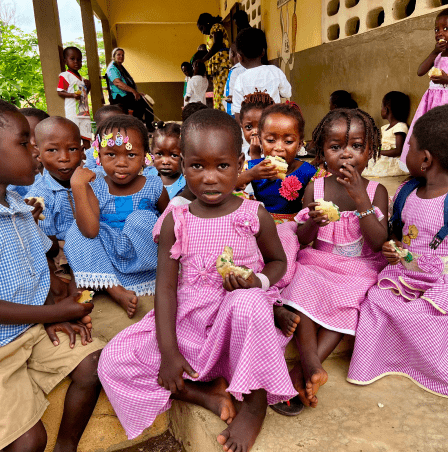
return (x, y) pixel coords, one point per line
(291, 408)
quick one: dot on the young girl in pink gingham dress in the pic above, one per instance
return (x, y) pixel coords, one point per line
(207, 339)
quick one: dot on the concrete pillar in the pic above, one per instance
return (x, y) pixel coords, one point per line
(50, 49)
(93, 62)
(107, 38)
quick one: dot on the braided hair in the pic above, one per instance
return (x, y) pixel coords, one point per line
(372, 133)
(259, 100)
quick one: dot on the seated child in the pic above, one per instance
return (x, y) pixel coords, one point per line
(197, 85)
(33, 357)
(343, 257)
(249, 44)
(166, 152)
(403, 322)
(107, 247)
(395, 108)
(74, 89)
(207, 337)
(234, 72)
(33, 116)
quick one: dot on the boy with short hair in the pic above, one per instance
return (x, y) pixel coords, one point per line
(33, 359)
(250, 48)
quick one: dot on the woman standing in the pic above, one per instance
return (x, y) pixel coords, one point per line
(217, 57)
(124, 90)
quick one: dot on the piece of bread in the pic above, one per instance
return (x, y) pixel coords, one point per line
(41, 201)
(403, 253)
(225, 265)
(441, 40)
(280, 165)
(330, 209)
(434, 72)
(86, 296)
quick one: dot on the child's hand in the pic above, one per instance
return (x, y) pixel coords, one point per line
(77, 95)
(71, 309)
(233, 282)
(71, 329)
(88, 84)
(440, 47)
(352, 181)
(264, 170)
(38, 208)
(255, 147)
(390, 253)
(172, 367)
(440, 79)
(82, 176)
(317, 215)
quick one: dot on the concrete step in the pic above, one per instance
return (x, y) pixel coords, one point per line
(347, 419)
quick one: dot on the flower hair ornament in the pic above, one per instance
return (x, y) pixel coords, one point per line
(290, 187)
(109, 141)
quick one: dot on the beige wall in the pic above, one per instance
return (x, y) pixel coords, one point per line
(167, 97)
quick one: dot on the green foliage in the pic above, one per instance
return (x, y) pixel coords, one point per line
(21, 80)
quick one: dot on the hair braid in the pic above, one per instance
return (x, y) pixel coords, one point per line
(259, 100)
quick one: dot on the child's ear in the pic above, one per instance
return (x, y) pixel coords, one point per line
(428, 161)
(241, 161)
(182, 163)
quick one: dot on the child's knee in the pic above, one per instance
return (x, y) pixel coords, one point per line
(34, 440)
(86, 372)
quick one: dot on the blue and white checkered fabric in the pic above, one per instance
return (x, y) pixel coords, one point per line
(23, 190)
(24, 274)
(58, 211)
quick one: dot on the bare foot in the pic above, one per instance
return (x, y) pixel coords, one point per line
(241, 434)
(298, 380)
(125, 298)
(286, 320)
(317, 378)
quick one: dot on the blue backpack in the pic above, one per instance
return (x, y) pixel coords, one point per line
(396, 224)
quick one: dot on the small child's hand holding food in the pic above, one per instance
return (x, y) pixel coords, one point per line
(440, 46)
(39, 205)
(389, 251)
(264, 170)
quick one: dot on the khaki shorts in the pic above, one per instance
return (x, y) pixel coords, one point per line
(30, 367)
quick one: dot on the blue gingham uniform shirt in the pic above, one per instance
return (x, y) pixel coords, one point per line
(58, 210)
(24, 273)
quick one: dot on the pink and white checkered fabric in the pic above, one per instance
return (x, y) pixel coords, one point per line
(220, 333)
(333, 278)
(402, 328)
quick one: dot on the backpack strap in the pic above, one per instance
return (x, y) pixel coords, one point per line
(395, 223)
(440, 236)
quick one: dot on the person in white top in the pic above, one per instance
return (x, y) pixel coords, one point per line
(234, 72)
(197, 85)
(250, 48)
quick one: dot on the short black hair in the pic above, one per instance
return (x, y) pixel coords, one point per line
(251, 43)
(431, 134)
(34, 113)
(241, 19)
(191, 108)
(201, 67)
(442, 13)
(342, 99)
(124, 123)
(372, 133)
(259, 100)
(290, 109)
(207, 19)
(104, 110)
(210, 119)
(399, 105)
(67, 49)
(165, 129)
(187, 64)
(6, 107)
(43, 126)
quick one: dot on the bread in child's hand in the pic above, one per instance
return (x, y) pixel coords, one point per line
(329, 209)
(434, 72)
(403, 253)
(41, 201)
(86, 296)
(225, 265)
(280, 165)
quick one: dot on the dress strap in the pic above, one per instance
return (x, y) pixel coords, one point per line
(371, 190)
(180, 231)
(319, 188)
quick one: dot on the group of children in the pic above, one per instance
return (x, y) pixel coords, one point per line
(134, 220)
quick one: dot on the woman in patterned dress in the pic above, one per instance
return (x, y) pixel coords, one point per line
(217, 58)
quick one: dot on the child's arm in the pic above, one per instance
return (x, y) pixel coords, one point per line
(400, 138)
(163, 201)
(263, 170)
(173, 364)
(428, 63)
(86, 203)
(284, 87)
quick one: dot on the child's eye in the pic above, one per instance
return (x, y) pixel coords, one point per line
(335, 147)
(132, 155)
(73, 149)
(445, 29)
(175, 156)
(25, 143)
(358, 146)
(289, 142)
(158, 154)
(110, 154)
(51, 150)
(269, 140)
(223, 165)
(248, 127)
(196, 166)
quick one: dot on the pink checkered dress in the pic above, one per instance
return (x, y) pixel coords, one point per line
(220, 333)
(403, 323)
(333, 277)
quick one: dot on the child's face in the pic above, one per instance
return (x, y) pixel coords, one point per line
(211, 166)
(338, 152)
(249, 123)
(73, 60)
(60, 151)
(166, 153)
(415, 158)
(280, 137)
(18, 166)
(383, 111)
(33, 121)
(120, 164)
(441, 28)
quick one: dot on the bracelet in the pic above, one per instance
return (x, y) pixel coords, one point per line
(265, 283)
(365, 213)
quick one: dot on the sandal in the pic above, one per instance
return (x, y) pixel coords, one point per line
(292, 407)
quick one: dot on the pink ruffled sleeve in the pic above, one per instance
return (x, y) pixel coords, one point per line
(302, 216)
(180, 231)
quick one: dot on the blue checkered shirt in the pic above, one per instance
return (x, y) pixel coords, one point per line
(24, 273)
(58, 210)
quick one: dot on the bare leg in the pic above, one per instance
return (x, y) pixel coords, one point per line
(34, 440)
(241, 434)
(285, 319)
(125, 298)
(210, 395)
(327, 341)
(80, 401)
